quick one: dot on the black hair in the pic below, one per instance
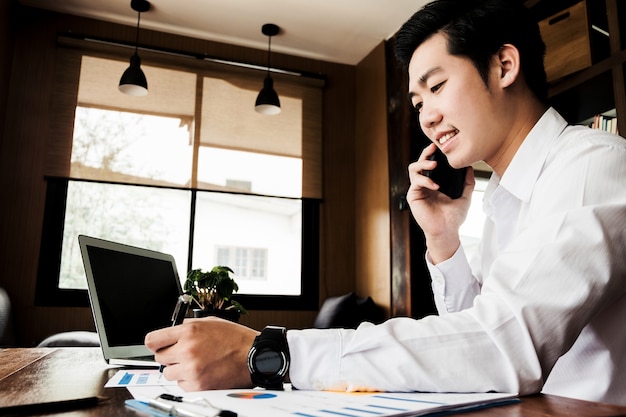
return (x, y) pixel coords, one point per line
(477, 29)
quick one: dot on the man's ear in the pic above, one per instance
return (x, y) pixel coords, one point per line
(509, 64)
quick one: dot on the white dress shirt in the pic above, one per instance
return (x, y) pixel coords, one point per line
(542, 308)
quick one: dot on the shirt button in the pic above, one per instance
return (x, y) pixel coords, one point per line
(437, 279)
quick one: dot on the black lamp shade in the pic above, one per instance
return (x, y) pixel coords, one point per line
(267, 101)
(133, 81)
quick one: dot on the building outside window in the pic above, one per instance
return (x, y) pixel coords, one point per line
(250, 263)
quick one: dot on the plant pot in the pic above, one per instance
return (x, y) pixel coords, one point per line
(232, 315)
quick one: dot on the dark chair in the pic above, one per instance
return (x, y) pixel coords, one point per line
(348, 311)
(7, 336)
(71, 339)
(63, 339)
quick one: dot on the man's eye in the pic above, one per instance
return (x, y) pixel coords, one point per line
(418, 106)
(436, 88)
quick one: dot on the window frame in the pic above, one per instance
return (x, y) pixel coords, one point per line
(48, 293)
(56, 175)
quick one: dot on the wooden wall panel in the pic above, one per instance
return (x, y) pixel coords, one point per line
(6, 53)
(24, 142)
(411, 294)
(372, 232)
(399, 133)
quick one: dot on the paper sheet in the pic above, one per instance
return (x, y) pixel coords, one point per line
(138, 377)
(262, 403)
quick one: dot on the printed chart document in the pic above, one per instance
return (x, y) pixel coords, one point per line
(138, 377)
(262, 403)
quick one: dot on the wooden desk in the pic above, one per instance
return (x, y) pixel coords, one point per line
(52, 374)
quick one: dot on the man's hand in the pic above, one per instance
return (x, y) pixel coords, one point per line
(439, 216)
(202, 354)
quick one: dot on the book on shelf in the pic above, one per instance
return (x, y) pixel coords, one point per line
(605, 122)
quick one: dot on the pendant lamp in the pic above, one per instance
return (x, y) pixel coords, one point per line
(133, 81)
(267, 101)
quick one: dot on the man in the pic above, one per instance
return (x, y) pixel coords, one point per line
(544, 305)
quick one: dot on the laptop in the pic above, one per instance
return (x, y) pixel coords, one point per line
(132, 292)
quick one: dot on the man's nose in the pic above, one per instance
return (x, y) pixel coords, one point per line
(429, 116)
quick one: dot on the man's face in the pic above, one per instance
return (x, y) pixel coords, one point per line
(457, 111)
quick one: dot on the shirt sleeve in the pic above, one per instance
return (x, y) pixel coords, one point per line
(525, 318)
(454, 287)
(561, 269)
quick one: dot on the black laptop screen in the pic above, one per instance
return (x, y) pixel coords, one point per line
(137, 294)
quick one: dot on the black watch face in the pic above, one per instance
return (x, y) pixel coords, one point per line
(268, 362)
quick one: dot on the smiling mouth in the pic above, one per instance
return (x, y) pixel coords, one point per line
(447, 137)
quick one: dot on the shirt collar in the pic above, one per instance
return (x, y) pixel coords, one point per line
(522, 173)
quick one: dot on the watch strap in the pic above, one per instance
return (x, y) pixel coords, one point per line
(276, 338)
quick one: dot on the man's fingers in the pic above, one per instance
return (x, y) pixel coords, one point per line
(162, 338)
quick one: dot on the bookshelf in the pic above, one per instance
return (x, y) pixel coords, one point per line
(600, 89)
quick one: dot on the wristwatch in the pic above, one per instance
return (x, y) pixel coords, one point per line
(268, 359)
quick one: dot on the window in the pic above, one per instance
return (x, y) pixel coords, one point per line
(471, 230)
(258, 237)
(192, 171)
(148, 217)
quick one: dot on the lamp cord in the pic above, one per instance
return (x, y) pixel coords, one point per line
(269, 52)
(137, 34)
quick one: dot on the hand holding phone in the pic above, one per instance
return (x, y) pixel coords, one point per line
(450, 180)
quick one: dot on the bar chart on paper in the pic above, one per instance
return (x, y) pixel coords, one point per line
(138, 377)
(295, 403)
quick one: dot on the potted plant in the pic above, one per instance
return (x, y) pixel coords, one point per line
(212, 292)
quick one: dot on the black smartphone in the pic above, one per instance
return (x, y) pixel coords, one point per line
(450, 180)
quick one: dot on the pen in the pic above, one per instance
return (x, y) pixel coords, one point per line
(180, 311)
(171, 410)
(175, 411)
(202, 401)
